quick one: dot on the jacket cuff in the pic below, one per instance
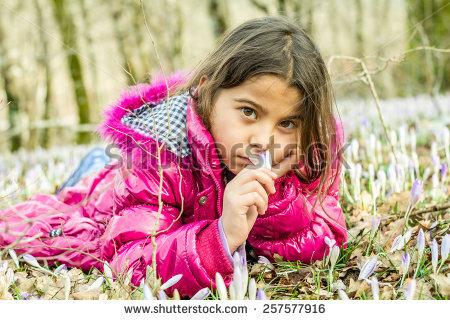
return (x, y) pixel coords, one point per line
(224, 240)
(212, 253)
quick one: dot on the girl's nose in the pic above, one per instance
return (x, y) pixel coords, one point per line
(262, 140)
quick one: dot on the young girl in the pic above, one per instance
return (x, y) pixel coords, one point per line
(188, 171)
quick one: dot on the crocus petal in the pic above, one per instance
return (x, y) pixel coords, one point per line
(171, 282)
(375, 288)
(443, 171)
(406, 237)
(368, 268)
(268, 160)
(147, 292)
(252, 289)
(420, 243)
(445, 247)
(261, 295)
(342, 295)
(9, 277)
(434, 254)
(397, 244)
(202, 294)
(4, 267)
(330, 242)
(374, 226)
(162, 295)
(409, 294)
(232, 290)
(237, 281)
(13, 256)
(334, 255)
(97, 283)
(406, 258)
(107, 271)
(60, 268)
(266, 262)
(31, 260)
(416, 192)
(244, 277)
(67, 286)
(263, 158)
(176, 295)
(221, 288)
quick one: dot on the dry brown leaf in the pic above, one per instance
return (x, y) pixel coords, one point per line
(386, 293)
(402, 198)
(43, 283)
(103, 296)
(54, 292)
(356, 288)
(23, 283)
(257, 268)
(423, 290)
(443, 283)
(87, 295)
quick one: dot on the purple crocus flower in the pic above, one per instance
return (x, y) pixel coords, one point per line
(406, 259)
(374, 227)
(221, 288)
(261, 295)
(267, 159)
(375, 288)
(147, 293)
(443, 171)
(409, 294)
(445, 247)
(202, 294)
(97, 283)
(434, 254)
(162, 295)
(60, 268)
(368, 268)
(31, 260)
(330, 243)
(416, 192)
(342, 295)
(397, 244)
(420, 244)
(171, 282)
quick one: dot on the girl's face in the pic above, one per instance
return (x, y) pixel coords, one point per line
(258, 115)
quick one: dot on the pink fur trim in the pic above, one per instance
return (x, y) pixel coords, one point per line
(111, 128)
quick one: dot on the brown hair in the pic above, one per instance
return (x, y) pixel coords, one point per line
(277, 46)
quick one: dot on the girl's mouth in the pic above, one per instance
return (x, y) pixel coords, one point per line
(246, 160)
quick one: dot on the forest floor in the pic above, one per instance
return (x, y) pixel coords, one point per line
(373, 186)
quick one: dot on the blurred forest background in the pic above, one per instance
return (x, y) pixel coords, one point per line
(62, 61)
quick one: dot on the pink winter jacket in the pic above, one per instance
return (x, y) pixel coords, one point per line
(110, 215)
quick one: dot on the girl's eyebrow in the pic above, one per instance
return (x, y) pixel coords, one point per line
(263, 110)
(257, 106)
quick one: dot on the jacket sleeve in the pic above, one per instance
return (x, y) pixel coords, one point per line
(304, 231)
(194, 250)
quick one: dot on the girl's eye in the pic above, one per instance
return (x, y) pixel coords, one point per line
(289, 123)
(248, 112)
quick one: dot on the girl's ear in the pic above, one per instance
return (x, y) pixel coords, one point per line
(203, 79)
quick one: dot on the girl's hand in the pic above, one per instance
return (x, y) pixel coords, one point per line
(245, 197)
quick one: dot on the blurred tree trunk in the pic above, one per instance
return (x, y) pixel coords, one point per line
(68, 32)
(13, 106)
(42, 59)
(359, 28)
